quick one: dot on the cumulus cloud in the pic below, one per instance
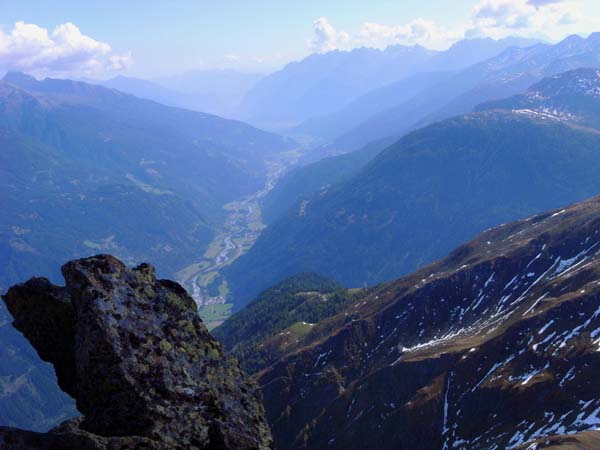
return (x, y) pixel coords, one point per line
(231, 58)
(489, 18)
(507, 13)
(501, 17)
(326, 37)
(543, 2)
(118, 63)
(419, 31)
(29, 47)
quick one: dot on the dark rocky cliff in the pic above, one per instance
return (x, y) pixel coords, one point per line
(141, 365)
(495, 346)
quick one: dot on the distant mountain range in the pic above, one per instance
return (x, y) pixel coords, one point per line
(553, 98)
(322, 96)
(131, 175)
(331, 126)
(440, 67)
(431, 190)
(572, 97)
(322, 83)
(493, 346)
(506, 74)
(210, 91)
(160, 94)
(218, 82)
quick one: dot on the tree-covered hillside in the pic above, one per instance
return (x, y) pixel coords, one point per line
(433, 189)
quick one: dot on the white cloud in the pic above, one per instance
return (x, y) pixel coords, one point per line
(507, 13)
(326, 38)
(543, 2)
(418, 31)
(118, 63)
(231, 58)
(499, 18)
(65, 50)
(553, 19)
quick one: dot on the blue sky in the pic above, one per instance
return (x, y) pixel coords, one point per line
(153, 38)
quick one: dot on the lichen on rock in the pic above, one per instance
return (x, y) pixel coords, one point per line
(140, 363)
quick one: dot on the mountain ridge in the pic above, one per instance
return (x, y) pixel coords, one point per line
(570, 97)
(442, 66)
(493, 345)
(431, 190)
(506, 74)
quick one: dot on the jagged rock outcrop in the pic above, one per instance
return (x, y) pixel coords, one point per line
(141, 365)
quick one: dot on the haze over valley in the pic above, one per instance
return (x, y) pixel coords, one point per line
(284, 227)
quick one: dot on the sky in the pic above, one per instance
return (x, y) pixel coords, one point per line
(155, 38)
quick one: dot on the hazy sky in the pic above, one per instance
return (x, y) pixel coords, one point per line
(157, 37)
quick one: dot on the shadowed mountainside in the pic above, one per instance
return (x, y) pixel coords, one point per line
(494, 346)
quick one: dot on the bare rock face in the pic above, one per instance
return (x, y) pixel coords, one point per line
(134, 354)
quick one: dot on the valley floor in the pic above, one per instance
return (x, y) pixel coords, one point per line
(241, 228)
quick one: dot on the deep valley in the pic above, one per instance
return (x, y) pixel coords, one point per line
(300, 226)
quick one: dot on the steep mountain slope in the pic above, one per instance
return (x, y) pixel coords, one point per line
(304, 180)
(507, 74)
(214, 136)
(225, 88)
(323, 83)
(572, 96)
(84, 166)
(29, 396)
(361, 109)
(434, 71)
(152, 91)
(494, 346)
(55, 207)
(430, 191)
(259, 334)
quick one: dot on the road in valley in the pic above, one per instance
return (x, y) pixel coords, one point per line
(240, 230)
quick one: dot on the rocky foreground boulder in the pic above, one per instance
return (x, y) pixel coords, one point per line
(144, 370)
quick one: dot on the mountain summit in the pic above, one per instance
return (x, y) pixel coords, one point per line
(572, 96)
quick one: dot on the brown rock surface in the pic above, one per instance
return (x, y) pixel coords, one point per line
(494, 346)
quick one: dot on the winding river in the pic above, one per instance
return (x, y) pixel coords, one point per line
(241, 228)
